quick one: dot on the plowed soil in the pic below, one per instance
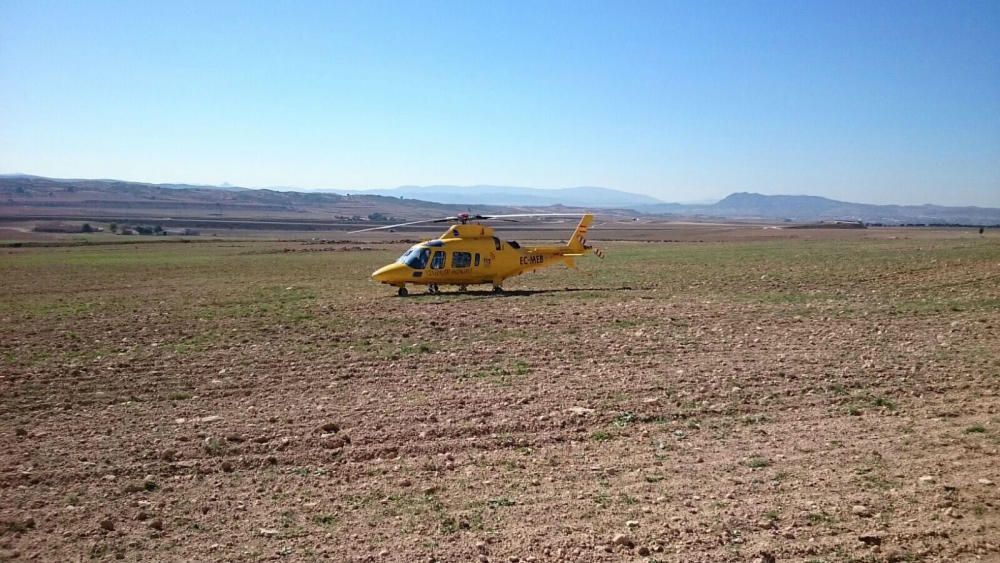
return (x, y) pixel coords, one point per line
(789, 400)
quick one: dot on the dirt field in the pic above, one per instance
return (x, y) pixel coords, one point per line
(789, 400)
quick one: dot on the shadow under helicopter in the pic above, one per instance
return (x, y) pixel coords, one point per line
(515, 292)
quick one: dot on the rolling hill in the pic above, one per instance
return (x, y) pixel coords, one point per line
(36, 196)
(590, 197)
(804, 208)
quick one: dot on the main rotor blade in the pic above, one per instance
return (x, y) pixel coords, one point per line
(404, 224)
(528, 215)
(465, 218)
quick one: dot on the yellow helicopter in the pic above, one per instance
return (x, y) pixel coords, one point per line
(470, 253)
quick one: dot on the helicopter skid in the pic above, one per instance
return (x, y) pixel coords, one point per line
(436, 288)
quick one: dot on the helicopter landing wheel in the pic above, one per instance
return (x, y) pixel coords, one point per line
(497, 289)
(463, 288)
(433, 289)
(402, 292)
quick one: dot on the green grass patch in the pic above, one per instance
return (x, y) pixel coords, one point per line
(757, 462)
(500, 502)
(624, 419)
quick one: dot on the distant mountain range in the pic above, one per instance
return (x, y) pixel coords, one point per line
(804, 208)
(746, 206)
(22, 195)
(35, 196)
(509, 195)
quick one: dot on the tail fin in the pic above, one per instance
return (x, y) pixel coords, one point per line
(578, 241)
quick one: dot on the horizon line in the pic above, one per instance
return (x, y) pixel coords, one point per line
(296, 189)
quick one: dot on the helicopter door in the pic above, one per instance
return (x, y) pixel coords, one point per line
(437, 262)
(477, 260)
(496, 242)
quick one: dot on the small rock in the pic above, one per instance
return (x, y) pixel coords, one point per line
(156, 524)
(335, 442)
(632, 524)
(926, 479)
(870, 539)
(429, 490)
(227, 467)
(861, 510)
(107, 525)
(330, 427)
(984, 482)
(269, 533)
(133, 488)
(623, 540)
(580, 411)
(604, 548)
(20, 432)
(643, 551)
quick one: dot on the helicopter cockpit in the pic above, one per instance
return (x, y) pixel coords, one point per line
(415, 257)
(418, 255)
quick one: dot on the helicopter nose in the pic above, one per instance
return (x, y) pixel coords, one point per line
(390, 273)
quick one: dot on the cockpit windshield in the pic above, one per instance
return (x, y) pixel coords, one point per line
(415, 258)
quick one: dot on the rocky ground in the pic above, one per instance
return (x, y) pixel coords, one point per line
(768, 401)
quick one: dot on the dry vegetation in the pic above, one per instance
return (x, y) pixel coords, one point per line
(789, 400)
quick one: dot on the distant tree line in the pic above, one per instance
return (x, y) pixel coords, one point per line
(148, 230)
(376, 216)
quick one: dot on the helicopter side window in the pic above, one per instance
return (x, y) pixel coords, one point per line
(496, 242)
(438, 261)
(477, 259)
(415, 258)
(461, 259)
(513, 244)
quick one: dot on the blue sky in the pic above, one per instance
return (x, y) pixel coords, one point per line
(865, 101)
